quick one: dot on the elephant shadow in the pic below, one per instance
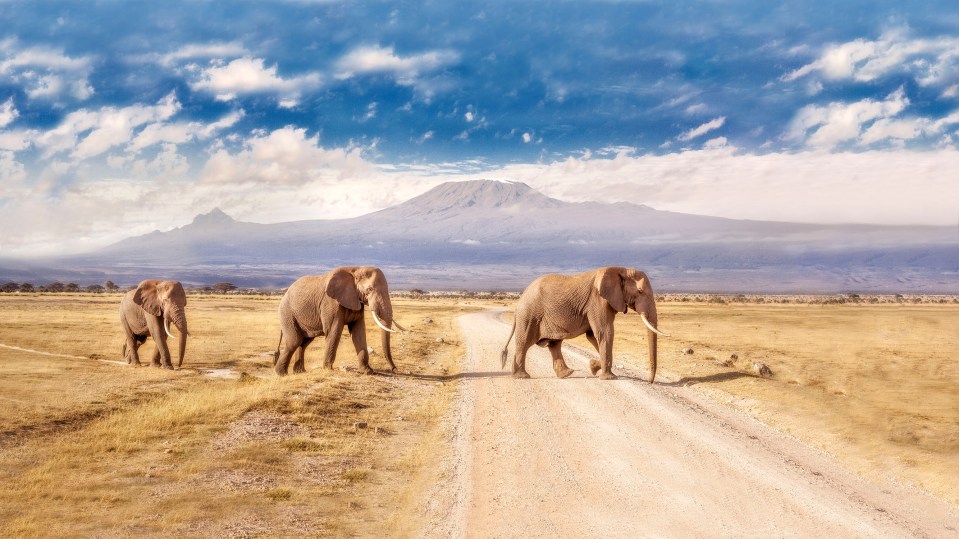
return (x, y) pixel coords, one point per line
(448, 377)
(711, 379)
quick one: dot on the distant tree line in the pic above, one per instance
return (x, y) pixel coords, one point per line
(11, 287)
(109, 286)
(57, 286)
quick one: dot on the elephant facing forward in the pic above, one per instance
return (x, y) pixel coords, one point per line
(148, 310)
(557, 307)
(318, 305)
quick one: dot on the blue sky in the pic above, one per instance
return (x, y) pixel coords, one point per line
(118, 118)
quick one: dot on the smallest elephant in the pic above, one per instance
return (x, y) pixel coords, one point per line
(148, 310)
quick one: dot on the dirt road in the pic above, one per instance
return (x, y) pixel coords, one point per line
(582, 457)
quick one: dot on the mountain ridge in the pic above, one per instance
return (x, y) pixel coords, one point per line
(506, 233)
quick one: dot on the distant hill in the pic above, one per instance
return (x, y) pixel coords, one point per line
(499, 235)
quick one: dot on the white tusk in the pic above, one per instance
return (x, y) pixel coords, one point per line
(650, 326)
(378, 323)
(166, 327)
(398, 326)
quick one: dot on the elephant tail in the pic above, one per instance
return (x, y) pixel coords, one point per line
(506, 346)
(276, 355)
(123, 352)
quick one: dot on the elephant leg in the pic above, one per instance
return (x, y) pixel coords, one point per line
(594, 364)
(133, 347)
(559, 364)
(156, 357)
(332, 342)
(358, 336)
(606, 356)
(299, 365)
(519, 358)
(289, 344)
(155, 326)
(527, 334)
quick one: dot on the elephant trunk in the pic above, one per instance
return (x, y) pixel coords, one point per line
(383, 309)
(651, 338)
(179, 321)
(651, 322)
(386, 349)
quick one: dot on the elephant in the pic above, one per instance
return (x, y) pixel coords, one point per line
(556, 307)
(148, 310)
(321, 305)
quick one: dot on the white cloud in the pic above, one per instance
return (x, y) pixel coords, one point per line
(89, 133)
(377, 59)
(8, 113)
(231, 49)
(836, 123)
(45, 72)
(716, 143)
(284, 175)
(420, 71)
(527, 138)
(703, 129)
(11, 171)
(468, 116)
(17, 140)
(931, 61)
(180, 132)
(371, 110)
(811, 187)
(284, 157)
(249, 75)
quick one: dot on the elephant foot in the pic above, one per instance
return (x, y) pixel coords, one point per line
(594, 366)
(520, 375)
(367, 370)
(168, 367)
(299, 370)
(279, 371)
(564, 373)
(608, 376)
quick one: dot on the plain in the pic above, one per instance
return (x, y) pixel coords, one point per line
(223, 447)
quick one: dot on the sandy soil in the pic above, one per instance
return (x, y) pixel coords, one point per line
(582, 457)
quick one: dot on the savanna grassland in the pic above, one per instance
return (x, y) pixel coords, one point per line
(90, 446)
(875, 385)
(223, 447)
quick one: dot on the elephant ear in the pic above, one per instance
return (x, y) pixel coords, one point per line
(147, 297)
(609, 282)
(176, 292)
(342, 287)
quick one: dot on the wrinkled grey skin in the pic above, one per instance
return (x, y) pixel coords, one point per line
(321, 305)
(557, 307)
(142, 312)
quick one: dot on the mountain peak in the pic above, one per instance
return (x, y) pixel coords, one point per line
(213, 218)
(479, 194)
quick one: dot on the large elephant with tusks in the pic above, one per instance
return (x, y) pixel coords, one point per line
(149, 310)
(321, 305)
(557, 307)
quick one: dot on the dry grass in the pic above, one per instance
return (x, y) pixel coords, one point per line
(92, 448)
(874, 385)
(95, 448)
